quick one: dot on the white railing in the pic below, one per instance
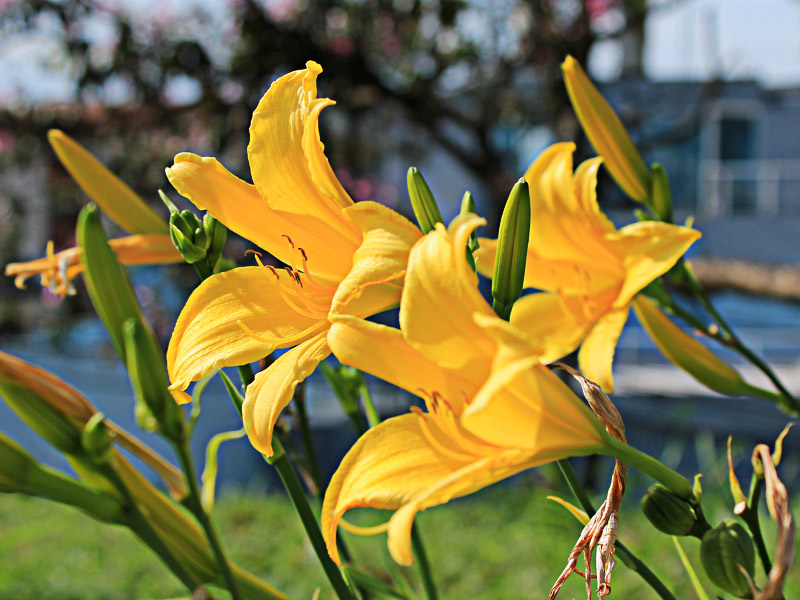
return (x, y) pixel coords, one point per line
(771, 191)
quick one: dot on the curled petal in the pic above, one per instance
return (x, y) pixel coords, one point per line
(287, 162)
(375, 473)
(438, 275)
(650, 249)
(374, 282)
(273, 388)
(238, 205)
(234, 318)
(597, 351)
(383, 351)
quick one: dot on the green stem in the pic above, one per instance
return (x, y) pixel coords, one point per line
(295, 490)
(196, 506)
(790, 402)
(676, 482)
(629, 558)
(424, 566)
(750, 516)
(142, 527)
(373, 418)
(308, 440)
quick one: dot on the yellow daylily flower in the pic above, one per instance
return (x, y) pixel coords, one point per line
(57, 270)
(343, 258)
(588, 270)
(149, 244)
(493, 409)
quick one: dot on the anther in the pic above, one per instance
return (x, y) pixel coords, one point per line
(251, 251)
(291, 243)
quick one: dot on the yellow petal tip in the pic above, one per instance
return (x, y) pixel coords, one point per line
(180, 396)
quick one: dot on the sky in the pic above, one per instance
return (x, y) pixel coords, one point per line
(685, 39)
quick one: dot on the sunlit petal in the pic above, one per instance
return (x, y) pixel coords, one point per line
(238, 205)
(546, 318)
(233, 318)
(597, 351)
(439, 277)
(383, 351)
(287, 164)
(274, 387)
(650, 249)
(375, 281)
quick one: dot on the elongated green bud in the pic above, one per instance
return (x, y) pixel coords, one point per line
(147, 372)
(96, 439)
(422, 201)
(724, 549)
(468, 206)
(183, 241)
(217, 234)
(512, 250)
(106, 280)
(669, 514)
(662, 194)
(59, 430)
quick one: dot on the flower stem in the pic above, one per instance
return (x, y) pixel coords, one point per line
(424, 565)
(790, 403)
(308, 440)
(628, 557)
(142, 527)
(281, 462)
(373, 418)
(676, 482)
(750, 517)
(196, 506)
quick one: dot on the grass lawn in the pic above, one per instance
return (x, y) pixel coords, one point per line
(506, 542)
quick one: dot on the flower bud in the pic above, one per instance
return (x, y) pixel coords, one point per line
(686, 352)
(662, 194)
(147, 372)
(669, 514)
(422, 201)
(468, 206)
(217, 234)
(183, 238)
(606, 133)
(724, 549)
(512, 250)
(96, 438)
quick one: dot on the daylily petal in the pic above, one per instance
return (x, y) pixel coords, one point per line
(383, 351)
(438, 276)
(586, 192)
(238, 205)
(561, 229)
(546, 318)
(273, 388)
(374, 282)
(376, 473)
(650, 249)
(208, 334)
(597, 351)
(535, 411)
(287, 162)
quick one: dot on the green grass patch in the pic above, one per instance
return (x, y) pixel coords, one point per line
(505, 542)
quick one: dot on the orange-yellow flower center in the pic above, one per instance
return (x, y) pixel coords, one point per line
(443, 430)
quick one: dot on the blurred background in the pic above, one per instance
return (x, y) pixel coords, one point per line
(470, 91)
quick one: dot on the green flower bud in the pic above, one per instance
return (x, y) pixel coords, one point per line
(468, 206)
(669, 514)
(201, 239)
(422, 201)
(217, 234)
(96, 439)
(724, 549)
(512, 250)
(147, 372)
(184, 240)
(662, 194)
